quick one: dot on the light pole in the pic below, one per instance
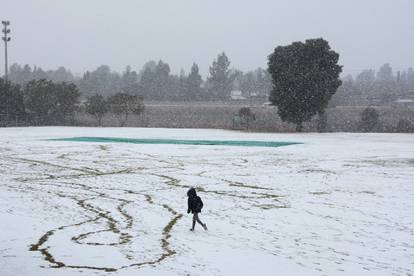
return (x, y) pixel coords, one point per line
(6, 39)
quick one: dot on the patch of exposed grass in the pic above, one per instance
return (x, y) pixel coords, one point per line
(242, 185)
(367, 192)
(389, 162)
(200, 189)
(266, 195)
(270, 206)
(320, 193)
(171, 210)
(104, 148)
(316, 171)
(62, 156)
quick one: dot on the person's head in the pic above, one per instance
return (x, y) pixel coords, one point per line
(191, 192)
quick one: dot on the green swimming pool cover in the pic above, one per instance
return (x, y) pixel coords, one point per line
(177, 142)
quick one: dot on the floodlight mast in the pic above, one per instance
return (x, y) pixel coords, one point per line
(6, 39)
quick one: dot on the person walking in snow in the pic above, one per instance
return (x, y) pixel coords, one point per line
(195, 204)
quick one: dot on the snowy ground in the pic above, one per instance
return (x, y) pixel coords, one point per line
(339, 204)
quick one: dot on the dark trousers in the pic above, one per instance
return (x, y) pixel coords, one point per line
(196, 219)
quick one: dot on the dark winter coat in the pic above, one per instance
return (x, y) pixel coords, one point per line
(195, 204)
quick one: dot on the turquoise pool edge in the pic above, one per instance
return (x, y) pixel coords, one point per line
(239, 143)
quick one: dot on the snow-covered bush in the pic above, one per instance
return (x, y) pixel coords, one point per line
(369, 120)
(405, 125)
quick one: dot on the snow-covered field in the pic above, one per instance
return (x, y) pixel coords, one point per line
(339, 204)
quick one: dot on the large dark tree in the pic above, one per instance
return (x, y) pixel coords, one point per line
(67, 96)
(97, 106)
(49, 102)
(305, 76)
(41, 100)
(11, 100)
(123, 104)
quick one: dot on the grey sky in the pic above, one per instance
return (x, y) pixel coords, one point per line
(83, 34)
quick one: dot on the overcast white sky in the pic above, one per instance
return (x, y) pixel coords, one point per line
(83, 34)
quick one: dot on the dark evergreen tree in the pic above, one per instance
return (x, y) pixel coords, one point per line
(305, 76)
(220, 80)
(193, 84)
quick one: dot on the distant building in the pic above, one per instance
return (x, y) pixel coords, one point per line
(404, 103)
(237, 95)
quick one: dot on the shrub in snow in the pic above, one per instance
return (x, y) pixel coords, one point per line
(405, 125)
(246, 117)
(369, 120)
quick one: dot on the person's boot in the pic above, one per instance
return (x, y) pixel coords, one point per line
(205, 226)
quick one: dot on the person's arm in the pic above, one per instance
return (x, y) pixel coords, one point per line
(201, 204)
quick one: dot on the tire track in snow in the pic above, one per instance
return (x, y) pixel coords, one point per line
(100, 214)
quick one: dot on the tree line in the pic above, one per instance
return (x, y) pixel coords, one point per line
(23, 74)
(303, 78)
(120, 104)
(375, 88)
(156, 82)
(44, 102)
(40, 102)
